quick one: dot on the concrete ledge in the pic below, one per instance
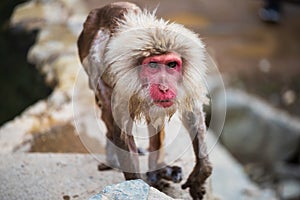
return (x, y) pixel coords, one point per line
(52, 176)
(75, 176)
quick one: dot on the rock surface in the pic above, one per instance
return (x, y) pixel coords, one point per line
(256, 132)
(52, 176)
(135, 189)
(55, 56)
(290, 189)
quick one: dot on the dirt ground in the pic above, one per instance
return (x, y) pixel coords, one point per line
(260, 58)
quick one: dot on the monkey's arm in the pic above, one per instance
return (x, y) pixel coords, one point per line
(194, 123)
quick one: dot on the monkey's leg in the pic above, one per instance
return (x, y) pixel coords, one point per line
(103, 103)
(156, 151)
(194, 123)
(156, 156)
(127, 152)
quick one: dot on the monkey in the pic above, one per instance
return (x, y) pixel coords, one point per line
(143, 67)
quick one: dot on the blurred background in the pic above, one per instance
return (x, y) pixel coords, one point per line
(21, 83)
(255, 45)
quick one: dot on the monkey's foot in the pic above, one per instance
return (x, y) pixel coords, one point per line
(103, 167)
(169, 173)
(154, 179)
(141, 151)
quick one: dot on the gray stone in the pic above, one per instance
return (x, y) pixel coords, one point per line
(290, 189)
(55, 55)
(36, 14)
(52, 42)
(135, 189)
(52, 176)
(154, 194)
(229, 180)
(254, 131)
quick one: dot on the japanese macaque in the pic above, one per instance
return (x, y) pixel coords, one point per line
(142, 67)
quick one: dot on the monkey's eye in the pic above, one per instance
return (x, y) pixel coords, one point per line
(153, 65)
(172, 64)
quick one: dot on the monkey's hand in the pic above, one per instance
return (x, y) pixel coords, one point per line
(171, 173)
(159, 177)
(197, 179)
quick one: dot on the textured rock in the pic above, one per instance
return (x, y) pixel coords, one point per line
(36, 14)
(55, 55)
(52, 176)
(290, 189)
(229, 180)
(255, 131)
(135, 189)
(154, 194)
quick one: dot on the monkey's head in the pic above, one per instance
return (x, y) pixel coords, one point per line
(149, 62)
(160, 75)
(155, 64)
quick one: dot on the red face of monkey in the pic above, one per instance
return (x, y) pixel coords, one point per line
(161, 74)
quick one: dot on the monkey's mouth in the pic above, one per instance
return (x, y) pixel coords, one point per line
(165, 103)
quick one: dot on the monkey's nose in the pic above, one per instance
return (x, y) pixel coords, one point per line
(163, 88)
